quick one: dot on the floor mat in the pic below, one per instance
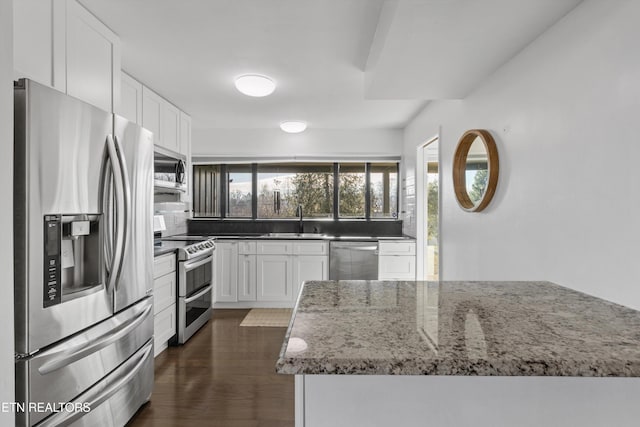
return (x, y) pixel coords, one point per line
(273, 317)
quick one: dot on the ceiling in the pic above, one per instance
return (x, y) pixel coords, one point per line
(338, 64)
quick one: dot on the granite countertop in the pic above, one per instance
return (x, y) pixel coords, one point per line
(458, 328)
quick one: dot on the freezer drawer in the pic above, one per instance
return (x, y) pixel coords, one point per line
(116, 398)
(63, 371)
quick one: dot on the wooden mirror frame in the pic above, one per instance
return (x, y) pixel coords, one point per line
(459, 169)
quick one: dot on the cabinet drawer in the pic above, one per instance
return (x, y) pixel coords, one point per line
(246, 248)
(307, 247)
(397, 268)
(275, 247)
(164, 326)
(164, 264)
(397, 248)
(164, 292)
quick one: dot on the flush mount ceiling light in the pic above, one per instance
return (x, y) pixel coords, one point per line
(293, 126)
(255, 85)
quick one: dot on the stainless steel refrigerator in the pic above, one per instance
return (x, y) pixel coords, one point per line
(83, 195)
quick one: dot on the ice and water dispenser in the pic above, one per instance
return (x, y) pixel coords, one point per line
(72, 257)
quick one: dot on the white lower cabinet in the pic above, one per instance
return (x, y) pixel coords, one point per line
(310, 267)
(226, 289)
(247, 277)
(164, 301)
(275, 277)
(397, 260)
(267, 273)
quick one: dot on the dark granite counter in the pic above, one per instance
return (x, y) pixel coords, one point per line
(459, 328)
(165, 247)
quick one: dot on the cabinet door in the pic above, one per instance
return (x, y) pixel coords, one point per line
(164, 327)
(185, 148)
(130, 99)
(275, 278)
(247, 277)
(92, 59)
(164, 292)
(315, 267)
(32, 41)
(226, 272)
(170, 126)
(151, 107)
(397, 268)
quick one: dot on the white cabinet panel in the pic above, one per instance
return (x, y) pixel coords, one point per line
(407, 247)
(164, 264)
(130, 106)
(226, 272)
(397, 268)
(151, 107)
(170, 126)
(247, 247)
(274, 277)
(92, 59)
(310, 247)
(275, 247)
(305, 268)
(164, 292)
(164, 327)
(32, 40)
(185, 135)
(247, 276)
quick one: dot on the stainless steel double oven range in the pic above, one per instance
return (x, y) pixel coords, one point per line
(195, 285)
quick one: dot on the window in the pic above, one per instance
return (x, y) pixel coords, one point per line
(206, 190)
(239, 191)
(274, 190)
(352, 190)
(282, 187)
(384, 190)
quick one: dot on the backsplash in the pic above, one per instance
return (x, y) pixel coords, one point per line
(352, 228)
(175, 214)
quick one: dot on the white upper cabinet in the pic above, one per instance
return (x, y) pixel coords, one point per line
(170, 127)
(93, 59)
(32, 40)
(185, 135)
(130, 99)
(61, 44)
(151, 108)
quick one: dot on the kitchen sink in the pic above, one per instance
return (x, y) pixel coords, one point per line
(298, 235)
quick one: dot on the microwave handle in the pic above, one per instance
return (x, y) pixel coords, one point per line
(180, 169)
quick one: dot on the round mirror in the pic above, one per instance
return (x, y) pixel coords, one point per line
(475, 170)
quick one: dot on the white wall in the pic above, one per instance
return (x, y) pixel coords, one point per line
(6, 213)
(312, 142)
(564, 114)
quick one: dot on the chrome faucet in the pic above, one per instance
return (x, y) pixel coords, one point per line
(299, 214)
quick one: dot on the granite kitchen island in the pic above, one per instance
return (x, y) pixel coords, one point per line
(375, 353)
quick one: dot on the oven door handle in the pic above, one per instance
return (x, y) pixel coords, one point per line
(188, 266)
(198, 295)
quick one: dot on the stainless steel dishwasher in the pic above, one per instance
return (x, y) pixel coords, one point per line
(353, 260)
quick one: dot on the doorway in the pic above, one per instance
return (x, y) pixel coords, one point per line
(428, 210)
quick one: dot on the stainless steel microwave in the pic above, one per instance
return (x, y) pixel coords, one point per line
(169, 170)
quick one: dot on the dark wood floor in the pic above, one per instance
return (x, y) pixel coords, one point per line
(224, 376)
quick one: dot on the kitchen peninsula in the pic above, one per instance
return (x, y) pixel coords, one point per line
(381, 353)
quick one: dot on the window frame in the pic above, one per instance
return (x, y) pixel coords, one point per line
(368, 167)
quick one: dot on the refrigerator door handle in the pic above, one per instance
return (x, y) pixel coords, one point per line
(107, 209)
(101, 394)
(118, 250)
(70, 355)
(126, 189)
